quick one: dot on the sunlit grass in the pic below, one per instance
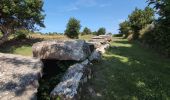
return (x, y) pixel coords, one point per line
(24, 50)
(129, 71)
(86, 37)
(24, 47)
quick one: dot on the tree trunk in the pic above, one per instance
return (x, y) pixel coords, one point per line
(4, 38)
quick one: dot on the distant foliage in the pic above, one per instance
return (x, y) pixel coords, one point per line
(101, 31)
(142, 26)
(73, 28)
(109, 33)
(86, 31)
(136, 21)
(124, 29)
(139, 19)
(94, 33)
(117, 35)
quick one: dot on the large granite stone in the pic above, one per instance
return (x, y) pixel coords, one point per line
(68, 88)
(19, 77)
(95, 56)
(77, 50)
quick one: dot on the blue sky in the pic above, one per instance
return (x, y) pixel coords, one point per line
(92, 13)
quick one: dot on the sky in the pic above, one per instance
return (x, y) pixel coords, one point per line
(91, 13)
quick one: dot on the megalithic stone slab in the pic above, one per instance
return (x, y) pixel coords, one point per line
(77, 50)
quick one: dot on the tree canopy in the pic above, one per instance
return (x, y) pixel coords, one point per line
(86, 31)
(124, 28)
(101, 31)
(139, 19)
(20, 14)
(73, 28)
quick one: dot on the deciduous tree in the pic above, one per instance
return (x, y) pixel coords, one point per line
(73, 28)
(20, 14)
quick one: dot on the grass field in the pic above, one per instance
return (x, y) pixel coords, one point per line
(24, 47)
(129, 72)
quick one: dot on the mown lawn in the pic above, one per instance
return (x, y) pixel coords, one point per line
(129, 71)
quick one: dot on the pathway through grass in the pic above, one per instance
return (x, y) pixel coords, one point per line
(129, 72)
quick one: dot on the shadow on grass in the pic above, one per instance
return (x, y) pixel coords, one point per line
(12, 45)
(130, 73)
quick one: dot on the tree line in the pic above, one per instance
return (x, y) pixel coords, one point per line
(73, 29)
(143, 26)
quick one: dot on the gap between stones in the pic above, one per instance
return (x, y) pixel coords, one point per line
(52, 73)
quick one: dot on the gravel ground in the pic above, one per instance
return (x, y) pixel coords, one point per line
(19, 77)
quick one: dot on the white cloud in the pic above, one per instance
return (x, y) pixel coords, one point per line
(72, 8)
(104, 5)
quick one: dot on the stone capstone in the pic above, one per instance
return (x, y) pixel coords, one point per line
(77, 50)
(19, 77)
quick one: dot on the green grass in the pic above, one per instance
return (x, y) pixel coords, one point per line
(86, 37)
(20, 47)
(24, 47)
(130, 72)
(24, 50)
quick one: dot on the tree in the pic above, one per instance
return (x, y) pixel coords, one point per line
(86, 31)
(101, 31)
(161, 36)
(124, 28)
(20, 14)
(139, 19)
(73, 28)
(94, 33)
(109, 33)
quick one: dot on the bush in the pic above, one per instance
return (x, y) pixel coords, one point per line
(118, 35)
(156, 38)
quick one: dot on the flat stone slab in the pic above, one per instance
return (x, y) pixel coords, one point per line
(19, 77)
(67, 89)
(77, 50)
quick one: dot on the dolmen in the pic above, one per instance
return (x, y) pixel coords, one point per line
(19, 77)
(77, 74)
